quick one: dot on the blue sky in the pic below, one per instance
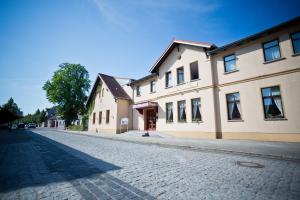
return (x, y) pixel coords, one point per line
(121, 38)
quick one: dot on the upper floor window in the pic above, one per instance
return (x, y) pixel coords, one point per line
(169, 112)
(168, 79)
(196, 112)
(233, 106)
(153, 86)
(272, 102)
(102, 92)
(230, 63)
(296, 42)
(100, 117)
(138, 90)
(194, 70)
(271, 50)
(107, 116)
(180, 75)
(181, 111)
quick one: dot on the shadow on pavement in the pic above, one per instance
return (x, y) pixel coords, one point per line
(28, 159)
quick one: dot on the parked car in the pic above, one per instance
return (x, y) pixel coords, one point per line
(21, 125)
(31, 125)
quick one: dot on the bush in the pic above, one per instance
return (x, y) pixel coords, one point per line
(75, 128)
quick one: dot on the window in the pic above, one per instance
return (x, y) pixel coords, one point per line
(168, 79)
(230, 63)
(194, 70)
(100, 117)
(180, 75)
(169, 112)
(153, 86)
(94, 118)
(138, 90)
(196, 111)
(102, 92)
(107, 116)
(181, 111)
(272, 102)
(233, 106)
(296, 42)
(271, 50)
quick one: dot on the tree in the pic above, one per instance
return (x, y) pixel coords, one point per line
(68, 90)
(10, 112)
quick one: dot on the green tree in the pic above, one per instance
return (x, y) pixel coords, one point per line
(68, 90)
(10, 112)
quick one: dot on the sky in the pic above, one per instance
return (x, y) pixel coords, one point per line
(115, 37)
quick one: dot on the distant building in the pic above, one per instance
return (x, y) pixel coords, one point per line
(248, 89)
(53, 120)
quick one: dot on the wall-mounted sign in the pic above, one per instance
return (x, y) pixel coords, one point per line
(124, 121)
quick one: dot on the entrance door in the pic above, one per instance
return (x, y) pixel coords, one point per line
(151, 120)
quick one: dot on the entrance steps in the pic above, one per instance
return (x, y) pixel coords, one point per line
(140, 133)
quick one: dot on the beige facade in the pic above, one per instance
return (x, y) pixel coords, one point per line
(255, 98)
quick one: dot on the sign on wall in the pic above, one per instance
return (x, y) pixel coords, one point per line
(124, 121)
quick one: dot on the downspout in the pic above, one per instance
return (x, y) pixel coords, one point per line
(215, 93)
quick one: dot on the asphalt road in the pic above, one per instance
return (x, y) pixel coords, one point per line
(46, 164)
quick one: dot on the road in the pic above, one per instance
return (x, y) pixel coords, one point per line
(46, 164)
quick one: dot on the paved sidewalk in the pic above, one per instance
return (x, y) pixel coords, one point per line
(277, 150)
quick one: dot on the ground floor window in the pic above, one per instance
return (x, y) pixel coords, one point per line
(100, 117)
(272, 102)
(181, 108)
(233, 106)
(107, 116)
(196, 110)
(94, 118)
(169, 112)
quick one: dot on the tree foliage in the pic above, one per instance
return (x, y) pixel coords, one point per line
(68, 90)
(10, 112)
(38, 117)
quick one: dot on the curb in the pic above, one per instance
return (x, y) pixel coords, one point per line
(188, 147)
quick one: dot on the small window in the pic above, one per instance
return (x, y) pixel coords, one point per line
(107, 116)
(271, 50)
(168, 79)
(230, 63)
(196, 110)
(181, 111)
(169, 112)
(100, 117)
(233, 106)
(153, 86)
(194, 70)
(138, 90)
(94, 118)
(272, 102)
(102, 92)
(296, 42)
(180, 75)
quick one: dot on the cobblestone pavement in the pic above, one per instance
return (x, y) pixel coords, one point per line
(56, 165)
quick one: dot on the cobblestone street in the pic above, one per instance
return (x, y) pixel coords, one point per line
(46, 164)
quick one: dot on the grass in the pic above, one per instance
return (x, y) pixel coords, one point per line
(75, 128)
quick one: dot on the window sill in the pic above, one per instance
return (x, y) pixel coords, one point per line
(296, 54)
(275, 60)
(138, 95)
(178, 84)
(181, 121)
(169, 122)
(197, 122)
(276, 119)
(236, 70)
(235, 120)
(168, 87)
(198, 79)
(152, 92)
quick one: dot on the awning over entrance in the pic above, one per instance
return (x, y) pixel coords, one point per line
(144, 105)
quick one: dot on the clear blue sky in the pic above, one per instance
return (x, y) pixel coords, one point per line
(121, 38)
